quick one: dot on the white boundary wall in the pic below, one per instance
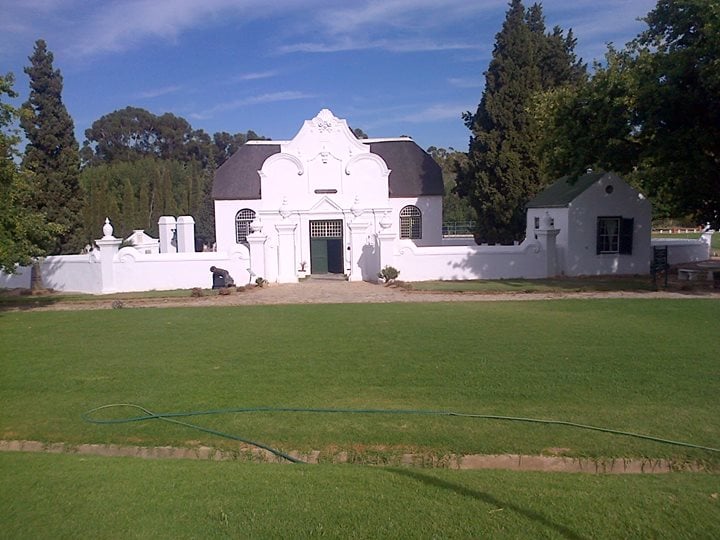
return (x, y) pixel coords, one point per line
(685, 250)
(527, 260)
(132, 271)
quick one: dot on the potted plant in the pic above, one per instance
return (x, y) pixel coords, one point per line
(302, 272)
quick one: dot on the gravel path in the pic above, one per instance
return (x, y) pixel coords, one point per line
(320, 291)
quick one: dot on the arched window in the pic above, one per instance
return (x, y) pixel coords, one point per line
(411, 222)
(242, 225)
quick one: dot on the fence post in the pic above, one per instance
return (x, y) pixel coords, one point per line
(109, 247)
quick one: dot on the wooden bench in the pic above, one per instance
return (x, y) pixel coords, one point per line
(691, 274)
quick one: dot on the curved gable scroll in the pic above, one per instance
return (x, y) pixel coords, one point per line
(368, 175)
(269, 162)
(282, 175)
(355, 165)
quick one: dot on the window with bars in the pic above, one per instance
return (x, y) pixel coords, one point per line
(243, 219)
(411, 223)
(331, 228)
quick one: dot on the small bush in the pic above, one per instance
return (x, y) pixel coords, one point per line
(118, 304)
(225, 291)
(197, 292)
(261, 282)
(388, 274)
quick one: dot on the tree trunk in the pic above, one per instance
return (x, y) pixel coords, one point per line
(36, 283)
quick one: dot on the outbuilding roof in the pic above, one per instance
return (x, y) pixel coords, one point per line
(563, 191)
(413, 171)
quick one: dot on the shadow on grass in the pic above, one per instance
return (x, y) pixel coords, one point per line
(12, 301)
(486, 498)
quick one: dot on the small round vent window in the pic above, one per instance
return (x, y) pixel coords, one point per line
(609, 189)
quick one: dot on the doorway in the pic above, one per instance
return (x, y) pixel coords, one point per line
(326, 247)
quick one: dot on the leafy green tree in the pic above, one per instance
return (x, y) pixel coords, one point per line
(651, 113)
(51, 156)
(455, 208)
(139, 192)
(502, 171)
(24, 233)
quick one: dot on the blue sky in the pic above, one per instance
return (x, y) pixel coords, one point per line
(390, 67)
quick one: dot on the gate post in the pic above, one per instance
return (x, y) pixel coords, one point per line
(358, 237)
(256, 240)
(286, 252)
(109, 247)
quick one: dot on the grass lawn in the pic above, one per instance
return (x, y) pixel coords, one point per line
(644, 365)
(550, 285)
(648, 366)
(65, 496)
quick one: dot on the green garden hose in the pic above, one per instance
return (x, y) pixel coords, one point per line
(172, 418)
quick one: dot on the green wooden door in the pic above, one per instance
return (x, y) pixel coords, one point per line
(318, 255)
(326, 247)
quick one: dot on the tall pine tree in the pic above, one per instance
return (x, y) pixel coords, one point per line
(51, 156)
(502, 170)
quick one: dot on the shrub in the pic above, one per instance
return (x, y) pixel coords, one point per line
(261, 282)
(196, 292)
(225, 291)
(388, 274)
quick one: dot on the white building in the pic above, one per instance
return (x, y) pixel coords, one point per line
(604, 224)
(319, 201)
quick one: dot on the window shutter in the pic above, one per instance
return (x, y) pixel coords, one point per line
(598, 227)
(626, 235)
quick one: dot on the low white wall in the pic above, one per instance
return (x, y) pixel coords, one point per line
(135, 271)
(19, 280)
(684, 250)
(527, 260)
(72, 273)
(132, 271)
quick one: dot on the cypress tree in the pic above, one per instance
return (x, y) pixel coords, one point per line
(502, 171)
(51, 156)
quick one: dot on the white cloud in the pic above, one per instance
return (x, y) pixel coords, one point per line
(272, 97)
(120, 25)
(255, 76)
(392, 45)
(157, 92)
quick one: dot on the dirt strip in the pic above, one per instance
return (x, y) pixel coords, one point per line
(245, 453)
(343, 292)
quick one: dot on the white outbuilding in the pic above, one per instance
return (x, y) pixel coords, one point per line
(604, 224)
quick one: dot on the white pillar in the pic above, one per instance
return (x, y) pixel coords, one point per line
(257, 254)
(547, 236)
(286, 252)
(386, 239)
(109, 247)
(358, 239)
(167, 230)
(185, 234)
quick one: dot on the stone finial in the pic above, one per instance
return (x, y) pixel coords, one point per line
(284, 210)
(107, 229)
(256, 225)
(547, 221)
(355, 208)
